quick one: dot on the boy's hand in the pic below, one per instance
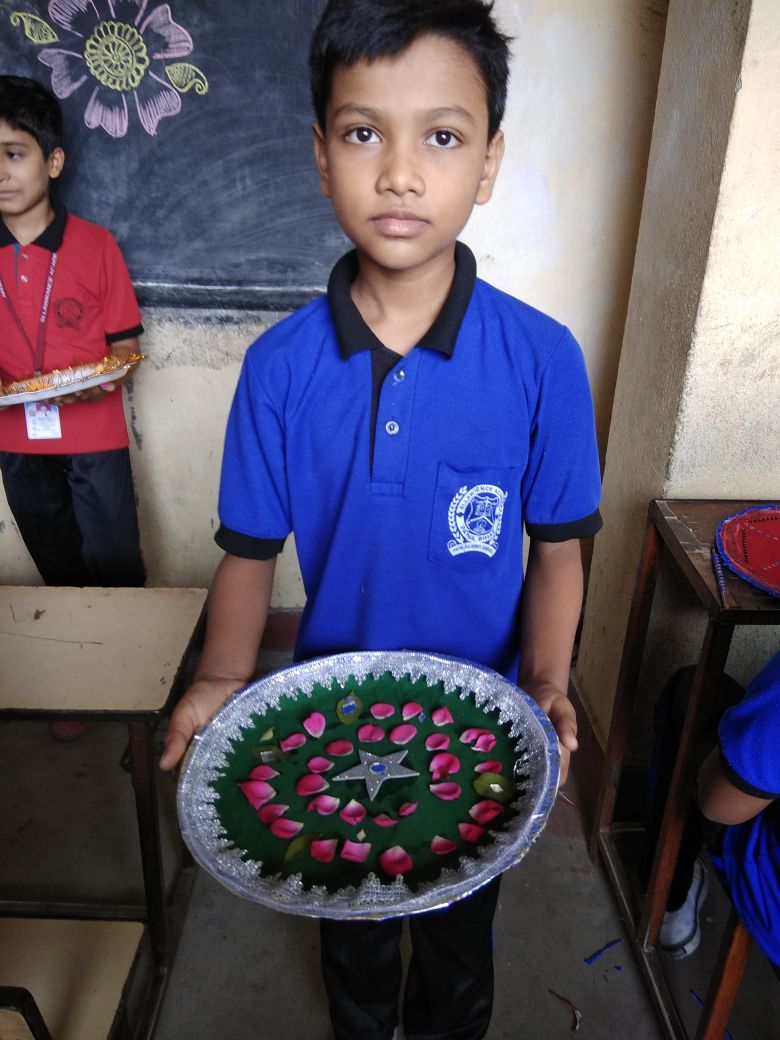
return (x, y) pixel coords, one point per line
(191, 714)
(560, 711)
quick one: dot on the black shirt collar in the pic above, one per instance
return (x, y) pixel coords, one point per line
(353, 333)
(50, 239)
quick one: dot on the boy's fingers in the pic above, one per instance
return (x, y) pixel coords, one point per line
(176, 741)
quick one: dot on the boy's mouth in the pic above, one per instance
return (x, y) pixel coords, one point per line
(399, 223)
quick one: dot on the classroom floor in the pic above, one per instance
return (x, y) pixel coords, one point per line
(67, 829)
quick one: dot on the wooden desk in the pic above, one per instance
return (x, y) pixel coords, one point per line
(681, 534)
(108, 654)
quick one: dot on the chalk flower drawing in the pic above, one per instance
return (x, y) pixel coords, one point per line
(119, 48)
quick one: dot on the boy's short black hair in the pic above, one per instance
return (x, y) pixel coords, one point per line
(353, 30)
(25, 104)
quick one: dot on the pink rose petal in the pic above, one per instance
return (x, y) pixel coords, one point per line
(272, 812)
(493, 765)
(285, 828)
(407, 809)
(355, 851)
(395, 861)
(411, 709)
(353, 812)
(443, 764)
(403, 734)
(441, 716)
(382, 711)
(311, 783)
(318, 764)
(339, 747)
(383, 820)
(257, 792)
(370, 734)
(485, 811)
(324, 849)
(485, 742)
(446, 791)
(295, 740)
(441, 846)
(470, 832)
(315, 724)
(437, 742)
(263, 773)
(470, 734)
(324, 804)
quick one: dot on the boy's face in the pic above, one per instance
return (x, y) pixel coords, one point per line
(405, 154)
(25, 172)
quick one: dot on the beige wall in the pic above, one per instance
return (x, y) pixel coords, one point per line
(560, 232)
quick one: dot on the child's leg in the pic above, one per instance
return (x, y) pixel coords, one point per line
(101, 484)
(361, 967)
(449, 989)
(36, 487)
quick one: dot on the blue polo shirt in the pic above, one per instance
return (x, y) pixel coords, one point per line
(407, 480)
(749, 862)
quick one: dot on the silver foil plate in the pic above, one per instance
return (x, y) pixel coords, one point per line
(536, 747)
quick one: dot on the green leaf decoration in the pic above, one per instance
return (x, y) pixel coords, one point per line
(298, 847)
(185, 76)
(35, 28)
(495, 786)
(266, 736)
(349, 709)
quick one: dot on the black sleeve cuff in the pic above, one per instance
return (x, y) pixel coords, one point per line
(115, 337)
(246, 546)
(742, 785)
(584, 528)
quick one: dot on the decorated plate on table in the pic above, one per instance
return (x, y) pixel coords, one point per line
(749, 544)
(45, 385)
(368, 785)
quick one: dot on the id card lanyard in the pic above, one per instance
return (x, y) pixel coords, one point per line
(37, 351)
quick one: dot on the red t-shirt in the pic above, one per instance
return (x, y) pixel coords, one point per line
(92, 305)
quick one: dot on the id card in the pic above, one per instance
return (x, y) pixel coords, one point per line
(43, 421)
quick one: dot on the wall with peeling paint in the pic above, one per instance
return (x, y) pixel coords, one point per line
(560, 232)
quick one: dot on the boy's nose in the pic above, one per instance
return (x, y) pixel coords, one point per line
(401, 173)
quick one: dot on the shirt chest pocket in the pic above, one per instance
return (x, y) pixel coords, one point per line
(475, 517)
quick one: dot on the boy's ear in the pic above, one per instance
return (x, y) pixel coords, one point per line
(321, 158)
(55, 163)
(493, 157)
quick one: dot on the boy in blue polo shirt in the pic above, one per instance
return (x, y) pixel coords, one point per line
(406, 426)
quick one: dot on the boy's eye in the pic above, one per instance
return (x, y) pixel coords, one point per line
(363, 135)
(442, 139)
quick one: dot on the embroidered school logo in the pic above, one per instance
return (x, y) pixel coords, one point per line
(475, 519)
(69, 313)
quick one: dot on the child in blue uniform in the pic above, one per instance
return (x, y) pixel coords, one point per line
(406, 427)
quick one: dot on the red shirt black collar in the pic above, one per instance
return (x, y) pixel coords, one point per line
(50, 238)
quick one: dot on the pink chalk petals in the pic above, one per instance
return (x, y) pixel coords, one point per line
(371, 734)
(383, 820)
(442, 765)
(324, 804)
(355, 851)
(315, 724)
(411, 710)
(323, 849)
(491, 766)
(437, 742)
(441, 716)
(318, 764)
(446, 791)
(271, 812)
(470, 832)
(339, 748)
(263, 773)
(441, 846)
(353, 812)
(403, 734)
(407, 809)
(311, 783)
(257, 792)
(395, 861)
(382, 711)
(485, 811)
(480, 739)
(285, 828)
(295, 740)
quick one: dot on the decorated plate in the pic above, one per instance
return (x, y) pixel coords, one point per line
(749, 545)
(368, 785)
(65, 381)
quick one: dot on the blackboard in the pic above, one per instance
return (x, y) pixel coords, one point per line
(219, 206)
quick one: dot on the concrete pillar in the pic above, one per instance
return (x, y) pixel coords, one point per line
(697, 404)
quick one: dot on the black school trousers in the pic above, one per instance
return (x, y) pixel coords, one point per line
(76, 515)
(449, 988)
